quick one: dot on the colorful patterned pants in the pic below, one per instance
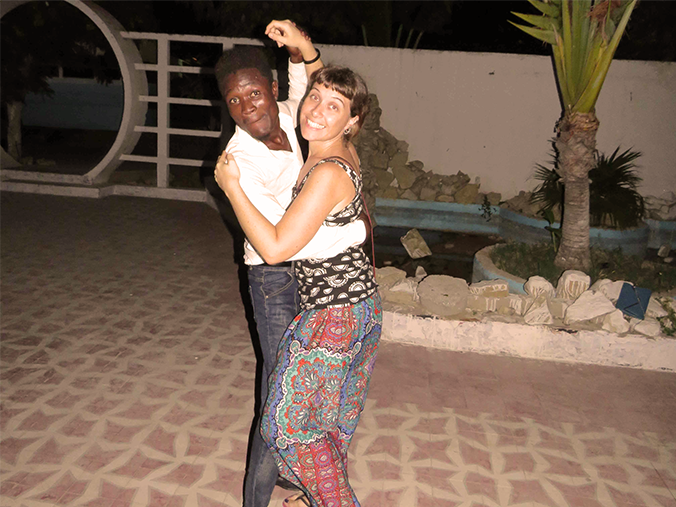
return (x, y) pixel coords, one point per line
(316, 394)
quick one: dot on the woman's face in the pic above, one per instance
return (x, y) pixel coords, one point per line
(325, 114)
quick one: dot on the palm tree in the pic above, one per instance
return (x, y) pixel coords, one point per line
(584, 35)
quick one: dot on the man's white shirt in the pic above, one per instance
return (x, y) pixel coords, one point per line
(268, 176)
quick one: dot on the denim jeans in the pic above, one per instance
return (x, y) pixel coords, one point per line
(274, 294)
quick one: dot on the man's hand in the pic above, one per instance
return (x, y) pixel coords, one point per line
(297, 42)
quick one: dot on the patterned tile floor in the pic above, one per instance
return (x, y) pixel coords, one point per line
(127, 375)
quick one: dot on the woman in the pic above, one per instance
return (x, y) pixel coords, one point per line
(324, 362)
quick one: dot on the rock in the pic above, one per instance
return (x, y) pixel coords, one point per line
(467, 194)
(428, 194)
(391, 193)
(399, 159)
(572, 284)
(655, 308)
(445, 198)
(388, 276)
(407, 285)
(557, 307)
(494, 198)
(608, 288)
(520, 303)
(588, 306)
(482, 304)
(537, 285)
(409, 195)
(416, 165)
(648, 327)
(404, 174)
(415, 245)
(443, 295)
(420, 273)
(380, 160)
(384, 178)
(490, 288)
(398, 297)
(615, 322)
(403, 146)
(538, 313)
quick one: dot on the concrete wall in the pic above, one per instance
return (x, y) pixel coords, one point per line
(492, 115)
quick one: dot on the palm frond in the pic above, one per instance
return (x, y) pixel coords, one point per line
(584, 35)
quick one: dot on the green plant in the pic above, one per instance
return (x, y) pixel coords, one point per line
(554, 232)
(668, 322)
(613, 198)
(486, 209)
(584, 35)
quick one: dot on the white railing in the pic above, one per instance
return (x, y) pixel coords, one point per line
(164, 100)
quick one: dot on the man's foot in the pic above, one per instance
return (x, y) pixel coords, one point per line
(299, 500)
(284, 484)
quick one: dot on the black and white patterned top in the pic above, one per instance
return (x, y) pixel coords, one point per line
(343, 279)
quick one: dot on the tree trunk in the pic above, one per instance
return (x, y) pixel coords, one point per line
(14, 110)
(576, 144)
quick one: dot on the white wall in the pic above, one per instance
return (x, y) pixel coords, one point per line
(492, 115)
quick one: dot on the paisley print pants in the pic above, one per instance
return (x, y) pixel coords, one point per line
(316, 394)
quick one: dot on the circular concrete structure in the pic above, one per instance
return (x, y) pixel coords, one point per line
(134, 83)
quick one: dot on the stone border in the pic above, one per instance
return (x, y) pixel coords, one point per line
(484, 269)
(134, 110)
(532, 342)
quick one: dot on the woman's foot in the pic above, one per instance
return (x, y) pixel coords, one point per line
(299, 500)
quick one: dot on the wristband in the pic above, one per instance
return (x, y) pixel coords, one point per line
(308, 62)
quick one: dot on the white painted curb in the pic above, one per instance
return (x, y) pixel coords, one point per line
(532, 342)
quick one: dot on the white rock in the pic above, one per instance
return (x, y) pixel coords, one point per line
(572, 284)
(611, 290)
(479, 303)
(648, 327)
(490, 288)
(520, 303)
(443, 295)
(386, 277)
(655, 308)
(538, 313)
(415, 245)
(420, 273)
(615, 322)
(407, 285)
(537, 285)
(598, 284)
(557, 307)
(588, 306)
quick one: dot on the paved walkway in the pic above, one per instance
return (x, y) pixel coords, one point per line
(127, 375)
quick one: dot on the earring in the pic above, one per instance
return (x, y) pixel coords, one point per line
(347, 131)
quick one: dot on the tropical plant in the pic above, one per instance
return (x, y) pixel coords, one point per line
(584, 35)
(613, 198)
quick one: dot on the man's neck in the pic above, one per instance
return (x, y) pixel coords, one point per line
(278, 141)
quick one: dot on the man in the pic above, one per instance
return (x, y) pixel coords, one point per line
(266, 149)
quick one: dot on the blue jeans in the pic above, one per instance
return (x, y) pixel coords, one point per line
(274, 295)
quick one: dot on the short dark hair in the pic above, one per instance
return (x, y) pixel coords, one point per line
(349, 84)
(242, 57)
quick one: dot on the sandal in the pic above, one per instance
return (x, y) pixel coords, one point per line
(298, 500)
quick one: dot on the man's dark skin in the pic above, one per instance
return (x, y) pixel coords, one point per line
(252, 103)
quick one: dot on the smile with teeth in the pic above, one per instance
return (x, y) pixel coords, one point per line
(315, 125)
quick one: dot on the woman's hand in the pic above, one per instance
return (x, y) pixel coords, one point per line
(226, 172)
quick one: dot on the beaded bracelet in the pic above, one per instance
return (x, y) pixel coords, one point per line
(308, 62)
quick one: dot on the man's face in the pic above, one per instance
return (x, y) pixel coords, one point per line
(252, 103)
